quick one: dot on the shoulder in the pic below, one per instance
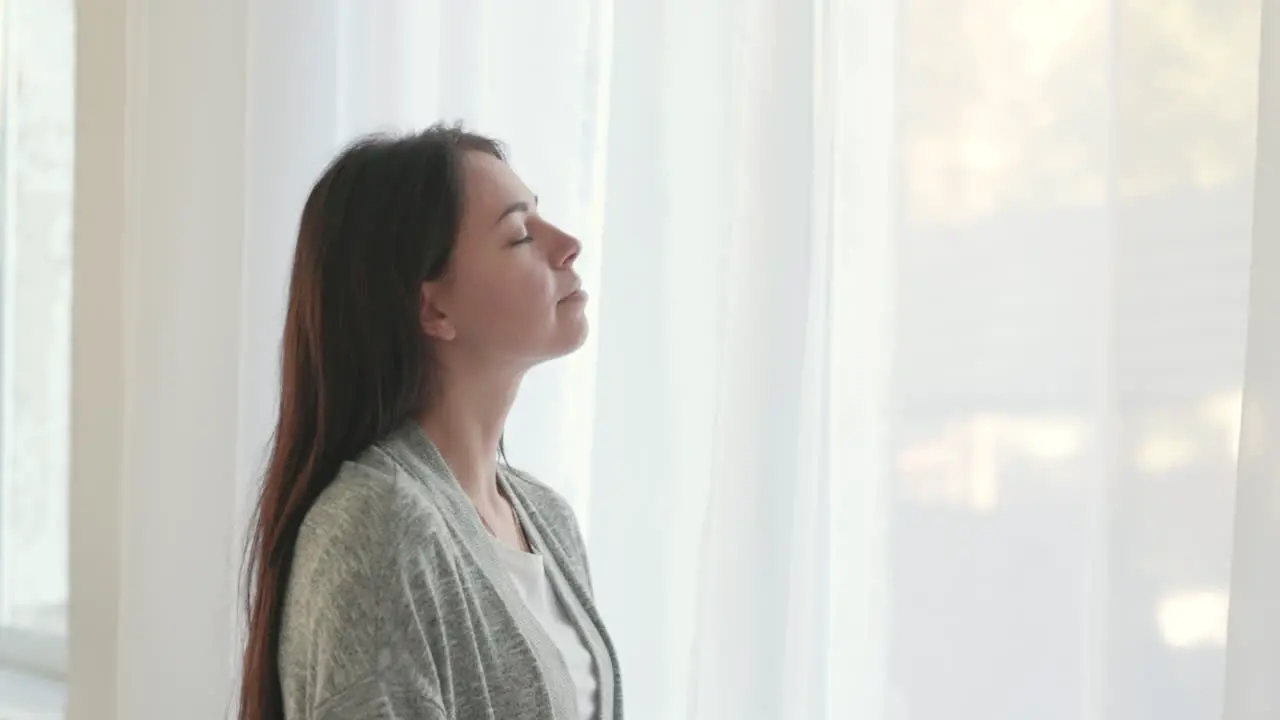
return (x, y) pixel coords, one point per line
(367, 557)
(371, 505)
(373, 528)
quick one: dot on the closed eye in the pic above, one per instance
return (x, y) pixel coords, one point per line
(522, 241)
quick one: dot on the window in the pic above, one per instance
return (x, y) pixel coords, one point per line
(36, 148)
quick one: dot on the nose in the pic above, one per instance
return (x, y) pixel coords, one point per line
(567, 248)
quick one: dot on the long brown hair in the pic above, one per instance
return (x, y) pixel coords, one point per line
(382, 219)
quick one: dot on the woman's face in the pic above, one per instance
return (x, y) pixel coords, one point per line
(510, 296)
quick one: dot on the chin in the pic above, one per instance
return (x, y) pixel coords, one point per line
(565, 336)
(578, 336)
(569, 337)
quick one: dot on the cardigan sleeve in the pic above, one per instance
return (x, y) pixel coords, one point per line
(382, 698)
(363, 615)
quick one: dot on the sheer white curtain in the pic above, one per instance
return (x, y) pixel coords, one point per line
(919, 333)
(919, 357)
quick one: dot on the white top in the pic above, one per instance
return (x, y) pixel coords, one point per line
(529, 574)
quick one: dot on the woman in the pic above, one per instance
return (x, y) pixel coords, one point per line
(397, 569)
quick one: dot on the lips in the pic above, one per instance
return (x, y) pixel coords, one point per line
(578, 295)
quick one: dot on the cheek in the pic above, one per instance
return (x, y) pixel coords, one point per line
(525, 292)
(510, 304)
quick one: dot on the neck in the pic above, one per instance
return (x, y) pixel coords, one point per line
(465, 422)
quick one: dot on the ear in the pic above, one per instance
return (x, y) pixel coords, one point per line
(431, 317)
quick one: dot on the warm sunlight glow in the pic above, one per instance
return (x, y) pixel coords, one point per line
(1052, 439)
(1222, 411)
(1193, 618)
(1017, 103)
(965, 464)
(1163, 452)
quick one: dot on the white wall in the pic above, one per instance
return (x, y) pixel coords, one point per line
(184, 222)
(157, 331)
(98, 394)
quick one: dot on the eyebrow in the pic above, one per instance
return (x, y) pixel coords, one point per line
(515, 207)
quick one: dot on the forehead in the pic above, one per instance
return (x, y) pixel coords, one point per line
(490, 186)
